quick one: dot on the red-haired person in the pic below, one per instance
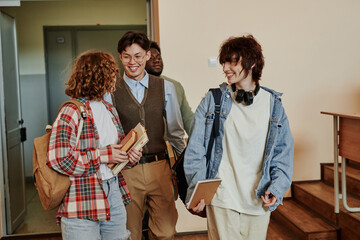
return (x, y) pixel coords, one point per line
(94, 206)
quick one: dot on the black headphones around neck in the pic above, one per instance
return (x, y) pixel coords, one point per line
(246, 96)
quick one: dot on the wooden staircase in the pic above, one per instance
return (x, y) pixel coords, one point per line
(309, 213)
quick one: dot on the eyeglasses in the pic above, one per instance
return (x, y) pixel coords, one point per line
(137, 58)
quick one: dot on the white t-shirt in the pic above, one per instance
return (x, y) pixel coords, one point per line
(106, 130)
(246, 130)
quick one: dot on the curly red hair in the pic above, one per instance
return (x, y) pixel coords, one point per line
(93, 75)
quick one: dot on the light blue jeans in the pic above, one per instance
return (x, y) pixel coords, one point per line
(115, 229)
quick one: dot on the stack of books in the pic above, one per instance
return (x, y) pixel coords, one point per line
(135, 139)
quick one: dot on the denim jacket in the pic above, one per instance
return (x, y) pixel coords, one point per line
(277, 166)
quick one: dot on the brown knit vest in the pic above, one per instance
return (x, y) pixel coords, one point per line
(149, 112)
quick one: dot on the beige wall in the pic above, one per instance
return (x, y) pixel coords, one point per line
(311, 51)
(32, 16)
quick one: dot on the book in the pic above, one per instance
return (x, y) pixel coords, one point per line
(127, 142)
(141, 139)
(204, 189)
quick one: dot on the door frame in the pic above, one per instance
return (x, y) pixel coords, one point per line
(2, 145)
(5, 221)
(152, 7)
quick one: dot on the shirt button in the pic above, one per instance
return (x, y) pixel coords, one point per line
(217, 151)
(213, 170)
(207, 122)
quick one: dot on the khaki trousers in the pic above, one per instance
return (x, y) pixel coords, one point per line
(150, 186)
(224, 224)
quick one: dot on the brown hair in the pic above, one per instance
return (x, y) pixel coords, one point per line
(131, 37)
(93, 75)
(246, 49)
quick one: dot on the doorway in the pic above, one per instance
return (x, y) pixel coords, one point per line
(63, 44)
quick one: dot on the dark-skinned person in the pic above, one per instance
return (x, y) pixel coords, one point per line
(155, 67)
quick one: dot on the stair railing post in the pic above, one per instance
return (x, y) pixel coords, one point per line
(343, 187)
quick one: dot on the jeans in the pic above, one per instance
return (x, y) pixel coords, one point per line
(115, 229)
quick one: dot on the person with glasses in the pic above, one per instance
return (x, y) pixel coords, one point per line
(141, 97)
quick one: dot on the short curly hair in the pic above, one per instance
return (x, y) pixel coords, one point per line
(93, 75)
(246, 49)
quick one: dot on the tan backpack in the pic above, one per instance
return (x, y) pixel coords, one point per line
(50, 184)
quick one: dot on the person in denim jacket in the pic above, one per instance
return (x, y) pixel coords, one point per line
(253, 154)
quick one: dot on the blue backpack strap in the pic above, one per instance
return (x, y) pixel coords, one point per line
(216, 92)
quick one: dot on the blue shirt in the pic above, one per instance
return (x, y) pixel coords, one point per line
(174, 123)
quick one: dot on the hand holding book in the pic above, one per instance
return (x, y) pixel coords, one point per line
(200, 207)
(118, 155)
(125, 144)
(136, 141)
(134, 156)
(204, 191)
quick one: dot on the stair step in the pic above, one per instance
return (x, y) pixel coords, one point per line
(349, 223)
(352, 177)
(277, 232)
(349, 234)
(354, 164)
(303, 223)
(319, 197)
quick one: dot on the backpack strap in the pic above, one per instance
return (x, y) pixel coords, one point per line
(216, 92)
(78, 104)
(83, 114)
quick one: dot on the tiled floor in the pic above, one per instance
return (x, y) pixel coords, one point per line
(37, 220)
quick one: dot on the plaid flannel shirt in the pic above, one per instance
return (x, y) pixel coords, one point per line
(85, 198)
